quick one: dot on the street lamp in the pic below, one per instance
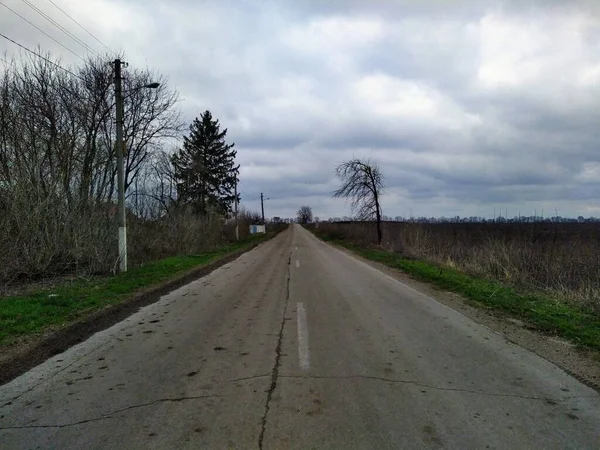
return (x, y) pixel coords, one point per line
(262, 206)
(121, 163)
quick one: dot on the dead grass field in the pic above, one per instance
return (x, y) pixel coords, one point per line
(558, 259)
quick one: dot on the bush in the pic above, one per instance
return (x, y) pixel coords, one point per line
(47, 236)
(180, 233)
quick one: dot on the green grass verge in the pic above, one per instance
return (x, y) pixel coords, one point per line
(36, 312)
(578, 324)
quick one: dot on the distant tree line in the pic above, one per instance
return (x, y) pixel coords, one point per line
(476, 219)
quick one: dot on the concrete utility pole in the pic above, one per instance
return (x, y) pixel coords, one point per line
(120, 170)
(237, 230)
(262, 207)
(120, 149)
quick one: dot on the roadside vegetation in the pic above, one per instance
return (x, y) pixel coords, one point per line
(58, 190)
(36, 311)
(58, 173)
(545, 274)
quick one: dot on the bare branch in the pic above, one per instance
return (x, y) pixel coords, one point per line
(305, 214)
(362, 184)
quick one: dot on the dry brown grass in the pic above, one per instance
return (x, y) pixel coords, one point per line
(561, 259)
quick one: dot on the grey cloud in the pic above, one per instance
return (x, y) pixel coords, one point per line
(284, 77)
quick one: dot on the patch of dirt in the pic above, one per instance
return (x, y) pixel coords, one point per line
(582, 364)
(27, 353)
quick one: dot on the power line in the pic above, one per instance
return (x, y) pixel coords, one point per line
(40, 56)
(60, 27)
(38, 28)
(81, 26)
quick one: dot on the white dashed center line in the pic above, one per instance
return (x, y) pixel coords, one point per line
(303, 354)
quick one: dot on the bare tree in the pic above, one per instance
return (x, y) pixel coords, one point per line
(150, 118)
(57, 162)
(305, 214)
(155, 192)
(362, 182)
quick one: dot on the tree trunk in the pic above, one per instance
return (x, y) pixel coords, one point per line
(377, 207)
(378, 215)
(379, 234)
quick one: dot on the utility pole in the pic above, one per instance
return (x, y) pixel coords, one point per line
(237, 230)
(262, 207)
(120, 150)
(120, 170)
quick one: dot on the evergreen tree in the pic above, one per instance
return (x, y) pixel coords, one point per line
(204, 168)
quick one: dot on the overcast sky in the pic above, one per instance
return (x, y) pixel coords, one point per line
(467, 106)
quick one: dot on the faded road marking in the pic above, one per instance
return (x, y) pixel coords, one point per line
(303, 354)
(297, 263)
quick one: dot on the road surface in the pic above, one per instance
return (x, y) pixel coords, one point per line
(297, 345)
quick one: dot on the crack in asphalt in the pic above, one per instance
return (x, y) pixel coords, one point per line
(112, 413)
(437, 388)
(275, 370)
(253, 377)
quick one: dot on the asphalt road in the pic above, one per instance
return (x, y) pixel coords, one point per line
(298, 345)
